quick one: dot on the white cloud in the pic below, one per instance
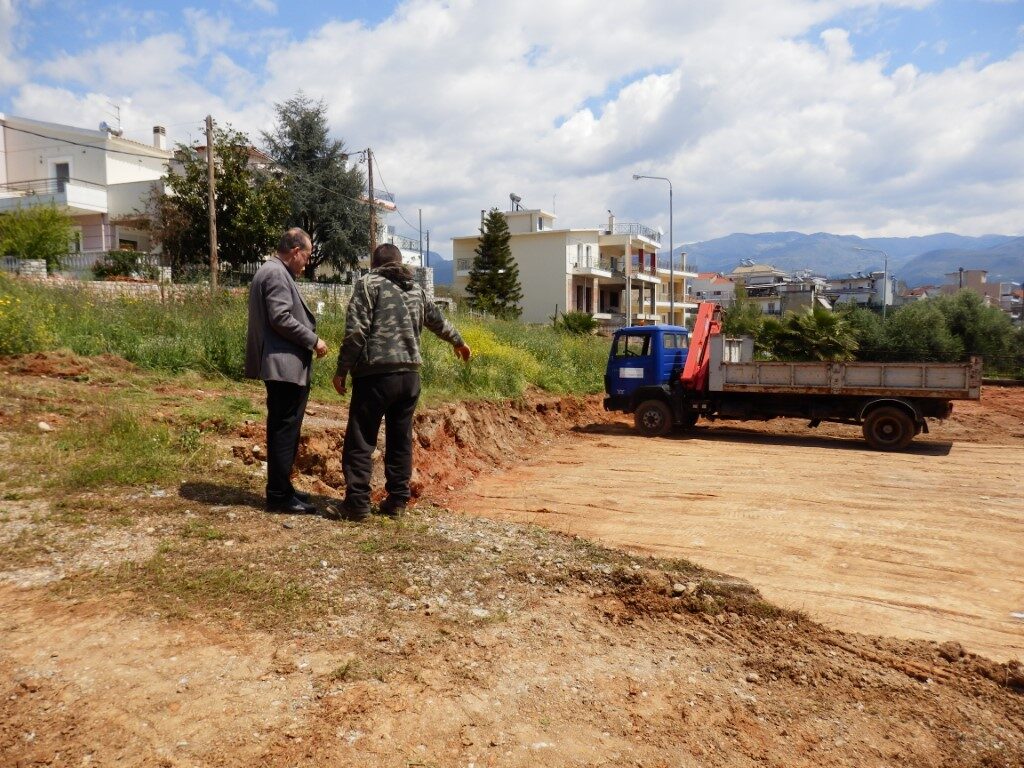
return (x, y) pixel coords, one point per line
(464, 102)
(12, 71)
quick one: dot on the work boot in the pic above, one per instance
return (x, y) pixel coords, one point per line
(392, 507)
(347, 511)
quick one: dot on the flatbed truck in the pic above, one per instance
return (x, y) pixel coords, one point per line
(670, 377)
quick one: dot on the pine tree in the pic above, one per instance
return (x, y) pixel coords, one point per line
(324, 194)
(494, 279)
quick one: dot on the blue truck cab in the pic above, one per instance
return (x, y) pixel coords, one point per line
(643, 357)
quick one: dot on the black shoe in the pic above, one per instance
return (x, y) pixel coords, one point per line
(303, 496)
(392, 507)
(290, 506)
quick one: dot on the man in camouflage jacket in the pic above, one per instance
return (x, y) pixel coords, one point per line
(381, 351)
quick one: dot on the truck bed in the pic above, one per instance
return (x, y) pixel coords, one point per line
(949, 381)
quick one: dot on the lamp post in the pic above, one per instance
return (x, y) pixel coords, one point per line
(671, 246)
(885, 276)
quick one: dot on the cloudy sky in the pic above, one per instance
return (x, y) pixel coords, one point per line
(868, 117)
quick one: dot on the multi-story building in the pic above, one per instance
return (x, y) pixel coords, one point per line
(1003, 294)
(873, 289)
(713, 286)
(776, 291)
(101, 179)
(611, 273)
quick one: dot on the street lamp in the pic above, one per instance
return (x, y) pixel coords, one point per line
(671, 246)
(885, 275)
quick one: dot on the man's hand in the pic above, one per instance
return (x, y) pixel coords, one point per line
(339, 384)
(320, 348)
(464, 352)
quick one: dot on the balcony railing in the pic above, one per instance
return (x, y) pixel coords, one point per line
(463, 265)
(405, 243)
(46, 186)
(633, 228)
(379, 194)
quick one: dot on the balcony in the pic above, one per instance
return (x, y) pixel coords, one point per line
(404, 243)
(593, 267)
(637, 230)
(79, 197)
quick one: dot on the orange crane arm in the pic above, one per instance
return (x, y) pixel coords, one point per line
(698, 359)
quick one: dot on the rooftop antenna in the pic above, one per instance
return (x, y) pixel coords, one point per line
(116, 114)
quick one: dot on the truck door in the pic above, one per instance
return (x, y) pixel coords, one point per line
(631, 364)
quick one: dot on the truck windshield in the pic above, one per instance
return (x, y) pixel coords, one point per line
(633, 345)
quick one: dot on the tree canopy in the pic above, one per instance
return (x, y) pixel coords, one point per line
(36, 232)
(325, 197)
(494, 278)
(251, 205)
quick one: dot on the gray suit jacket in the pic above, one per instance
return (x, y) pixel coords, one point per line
(282, 329)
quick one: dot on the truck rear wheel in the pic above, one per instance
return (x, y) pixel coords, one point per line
(889, 429)
(653, 418)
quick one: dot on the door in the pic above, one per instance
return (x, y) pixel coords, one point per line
(631, 364)
(63, 173)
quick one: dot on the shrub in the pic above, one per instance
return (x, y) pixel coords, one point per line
(124, 264)
(36, 232)
(578, 323)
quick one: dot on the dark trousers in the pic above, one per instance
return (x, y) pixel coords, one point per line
(391, 397)
(286, 405)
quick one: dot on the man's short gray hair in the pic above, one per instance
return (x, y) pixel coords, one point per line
(295, 237)
(385, 253)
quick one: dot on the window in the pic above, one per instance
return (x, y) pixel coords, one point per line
(579, 254)
(540, 223)
(588, 255)
(633, 345)
(127, 245)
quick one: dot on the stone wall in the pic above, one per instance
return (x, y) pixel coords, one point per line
(31, 268)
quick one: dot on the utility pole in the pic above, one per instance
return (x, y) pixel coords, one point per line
(373, 203)
(212, 195)
(421, 237)
(428, 249)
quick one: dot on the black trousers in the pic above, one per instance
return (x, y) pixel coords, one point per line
(286, 405)
(391, 397)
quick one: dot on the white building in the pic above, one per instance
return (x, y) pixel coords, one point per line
(713, 286)
(873, 289)
(99, 178)
(611, 273)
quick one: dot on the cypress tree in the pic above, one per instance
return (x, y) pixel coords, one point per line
(494, 279)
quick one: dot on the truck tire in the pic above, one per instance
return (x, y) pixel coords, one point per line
(889, 429)
(653, 418)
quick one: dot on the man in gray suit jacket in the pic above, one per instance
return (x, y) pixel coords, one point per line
(279, 349)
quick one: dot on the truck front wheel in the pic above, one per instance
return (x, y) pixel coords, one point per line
(653, 418)
(889, 429)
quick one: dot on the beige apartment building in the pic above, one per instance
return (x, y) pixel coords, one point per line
(611, 273)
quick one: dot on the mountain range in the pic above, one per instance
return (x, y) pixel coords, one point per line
(914, 260)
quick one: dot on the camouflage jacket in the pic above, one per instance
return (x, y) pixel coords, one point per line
(385, 317)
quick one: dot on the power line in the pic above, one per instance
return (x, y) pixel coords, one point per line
(80, 144)
(397, 209)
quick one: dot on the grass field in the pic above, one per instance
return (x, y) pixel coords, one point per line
(206, 334)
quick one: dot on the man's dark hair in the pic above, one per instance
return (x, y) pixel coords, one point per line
(295, 237)
(385, 253)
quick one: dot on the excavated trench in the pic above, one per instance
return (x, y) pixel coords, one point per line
(452, 443)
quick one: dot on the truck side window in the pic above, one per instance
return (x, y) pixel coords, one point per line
(668, 341)
(682, 341)
(633, 345)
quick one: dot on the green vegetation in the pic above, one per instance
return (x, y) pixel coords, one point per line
(494, 278)
(37, 232)
(325, 196)
(576, 322)
(206, 334)
(123, 264)
(252, 206)
(945, 329)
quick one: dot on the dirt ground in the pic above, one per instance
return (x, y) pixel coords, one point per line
(180, 625)
(924, 544)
